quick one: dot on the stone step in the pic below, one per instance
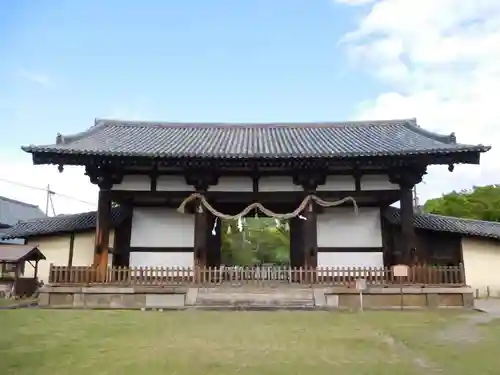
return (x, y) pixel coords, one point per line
(249, 301)
(256, 307)
(253, 290)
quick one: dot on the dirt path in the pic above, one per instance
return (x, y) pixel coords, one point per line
(421, 364)
(467, 331)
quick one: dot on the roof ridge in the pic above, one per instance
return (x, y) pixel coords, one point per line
(447, 217)
(3, 198)
(448, 139)
(62, 216)
(459, 218)
(165, 124)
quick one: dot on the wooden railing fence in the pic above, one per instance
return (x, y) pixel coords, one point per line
(334, 276)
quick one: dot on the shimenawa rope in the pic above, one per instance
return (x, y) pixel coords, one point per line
(264, 210)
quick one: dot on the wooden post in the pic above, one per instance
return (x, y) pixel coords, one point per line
(36, 269)
(102, 234)
(407, 228)
(71, 246)
(310, 236)
(200, 236)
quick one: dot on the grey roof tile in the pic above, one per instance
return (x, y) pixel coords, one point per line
(330, 140)
(12, 211)
(19, 253)
(466, 227)
(59, 224)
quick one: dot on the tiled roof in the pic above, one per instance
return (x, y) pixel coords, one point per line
(59, 224)
(12, 211)
(466, 227)
(328, 140)
(18, 253)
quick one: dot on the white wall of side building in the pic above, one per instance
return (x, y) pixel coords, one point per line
(482, 264)
(341, 228)
(56, 250)
(161, 227)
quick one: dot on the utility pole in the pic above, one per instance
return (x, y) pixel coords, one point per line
(416, 203)
(48, 200)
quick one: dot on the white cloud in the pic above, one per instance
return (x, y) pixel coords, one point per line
(72, 183)
(354, 2)
(442, 62)
(38, 78)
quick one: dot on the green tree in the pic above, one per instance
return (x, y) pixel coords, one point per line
(260, 241)
(480, 202)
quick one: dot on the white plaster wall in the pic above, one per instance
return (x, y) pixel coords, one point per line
(134, 183)
(482, 264)
(172, 183)
(234, 184)
(56, 250)
(341, 227)
(277, 183)
(338, 183)
(348, 259)
(377, 182)
(161, 227)
(163, 259)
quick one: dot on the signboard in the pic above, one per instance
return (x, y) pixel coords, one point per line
(361, 284)
(400, 270)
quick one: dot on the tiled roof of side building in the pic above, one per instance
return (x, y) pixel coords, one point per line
(466, 227)
(212, 140)
(12, 211)
(59, 224)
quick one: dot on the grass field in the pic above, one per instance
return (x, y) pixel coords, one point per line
(45, 342)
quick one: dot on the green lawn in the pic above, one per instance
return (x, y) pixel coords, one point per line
(48, 342)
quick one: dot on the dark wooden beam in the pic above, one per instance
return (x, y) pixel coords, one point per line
(123, 232)
(71, 248)
(102, 232)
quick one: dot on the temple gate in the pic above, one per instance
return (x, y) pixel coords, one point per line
(332, 180)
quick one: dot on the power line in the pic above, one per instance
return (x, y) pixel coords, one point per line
(47, 190)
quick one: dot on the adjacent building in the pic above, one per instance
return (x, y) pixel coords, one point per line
(69, 240)
(12, 211)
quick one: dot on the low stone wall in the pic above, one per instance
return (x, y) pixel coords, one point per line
(389, 298)
(180, 297)
(107, 297)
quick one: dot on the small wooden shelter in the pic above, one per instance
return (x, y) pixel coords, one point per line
(13, 259)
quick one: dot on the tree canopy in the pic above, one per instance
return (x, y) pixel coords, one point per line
(480, 202)
(260, 241)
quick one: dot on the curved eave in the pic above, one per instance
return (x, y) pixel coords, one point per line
(84, 153)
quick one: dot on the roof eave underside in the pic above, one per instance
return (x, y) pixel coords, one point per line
(46, 153)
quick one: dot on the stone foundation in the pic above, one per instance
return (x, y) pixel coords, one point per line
(106, 297)
(391, 298)
(179, 297)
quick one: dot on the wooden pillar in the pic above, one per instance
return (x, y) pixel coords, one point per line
(407, 228)
(102, 233)
(213, 241)
(121, 246)
(407, 177)
(296, 235)
(310, 236)
(200, 236)
(309, 180)
(71, 249)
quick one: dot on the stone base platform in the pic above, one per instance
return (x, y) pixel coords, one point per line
(253, 298)
(391, 298)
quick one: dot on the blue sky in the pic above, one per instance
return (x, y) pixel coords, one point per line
(64, 63)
